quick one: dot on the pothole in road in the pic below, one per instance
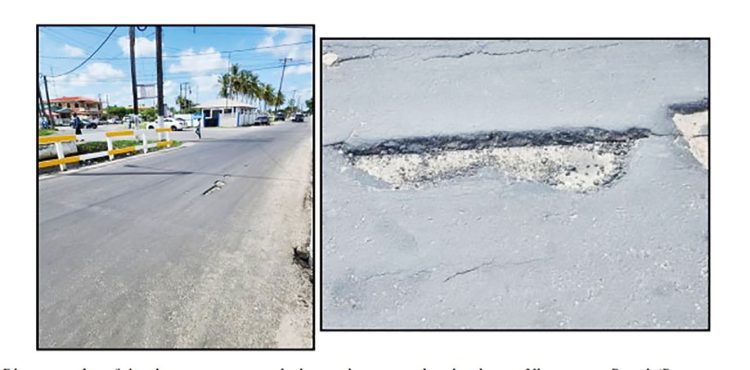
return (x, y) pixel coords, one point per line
(218, 184)
(580, 160)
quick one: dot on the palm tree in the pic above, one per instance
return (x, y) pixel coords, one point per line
(235, 80)
(278, 99)
(267, 95)
(254, 86)
(242, 83)
(225, 85)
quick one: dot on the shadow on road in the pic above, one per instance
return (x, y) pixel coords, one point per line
(165, 171)
(211, 140)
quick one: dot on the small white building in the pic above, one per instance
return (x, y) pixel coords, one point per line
(227, 113)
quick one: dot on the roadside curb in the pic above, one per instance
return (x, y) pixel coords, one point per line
(108, 163)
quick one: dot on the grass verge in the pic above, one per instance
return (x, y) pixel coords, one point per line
(47, 131)
(101, 146)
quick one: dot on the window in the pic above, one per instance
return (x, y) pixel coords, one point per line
(228, 110)
(76, 105)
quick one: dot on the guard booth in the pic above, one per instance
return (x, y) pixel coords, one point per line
(211, 118)
(227, 113)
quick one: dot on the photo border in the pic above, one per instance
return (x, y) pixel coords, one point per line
(320, 175)
(313, 213)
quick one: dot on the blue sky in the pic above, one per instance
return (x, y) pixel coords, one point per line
(193, 55)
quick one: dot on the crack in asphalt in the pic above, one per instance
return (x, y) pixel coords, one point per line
(492, 262)
(475, 268)
(392, 273)
(338, 61)
(481, 51)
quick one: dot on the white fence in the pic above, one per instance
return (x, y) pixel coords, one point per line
(111, 152)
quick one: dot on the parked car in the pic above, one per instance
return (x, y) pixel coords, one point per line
(298, 117)
(89, 124)
(114, 121)
(280, 116)
(174, 124)
(262, 120)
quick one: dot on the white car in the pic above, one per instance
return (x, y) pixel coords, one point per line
(174, 124)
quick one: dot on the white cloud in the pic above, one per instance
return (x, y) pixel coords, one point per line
(198, 62)
(301, 94)
(303, 69)
(170, 89)
(285, 36)
(199, 65)
(91, 73)
(205, 87)
(73, 51)
(143, 46)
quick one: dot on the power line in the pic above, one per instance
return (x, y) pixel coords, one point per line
(90, 56)
(176, 75)
(188, 55)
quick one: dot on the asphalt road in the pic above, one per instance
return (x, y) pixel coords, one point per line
(133, 254)
(483, 249)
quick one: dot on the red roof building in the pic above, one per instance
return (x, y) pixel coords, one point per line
(83, 106)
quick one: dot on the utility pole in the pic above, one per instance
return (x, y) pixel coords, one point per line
(159, 75)
(229, 87)
(49, 105)
(185, 95)
(283, 68)
(132, 71)
(40, 101)
(179, 100)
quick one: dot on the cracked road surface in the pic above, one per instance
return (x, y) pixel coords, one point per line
(486, 250)
(141, 254)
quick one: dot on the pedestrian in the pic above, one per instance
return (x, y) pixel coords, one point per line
(198, 131)
(76, 123)
(45, 123)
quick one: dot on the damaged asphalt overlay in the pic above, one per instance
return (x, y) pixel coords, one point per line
(514, 184)
(577, 160)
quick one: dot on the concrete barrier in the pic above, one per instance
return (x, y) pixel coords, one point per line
(48, 151)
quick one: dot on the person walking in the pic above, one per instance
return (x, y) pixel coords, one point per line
(76, 123)
(198, 131)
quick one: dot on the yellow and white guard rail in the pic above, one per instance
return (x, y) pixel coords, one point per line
(62, 160)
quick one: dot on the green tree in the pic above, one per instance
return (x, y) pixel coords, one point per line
(148, 114)
(186, 105)
(310, 105)
(119, 112)
(239, 84)
(278, 99)
(267, 95)
(291, 107)
(225, 81)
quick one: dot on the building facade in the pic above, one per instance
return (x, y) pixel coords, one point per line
(85, 107)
